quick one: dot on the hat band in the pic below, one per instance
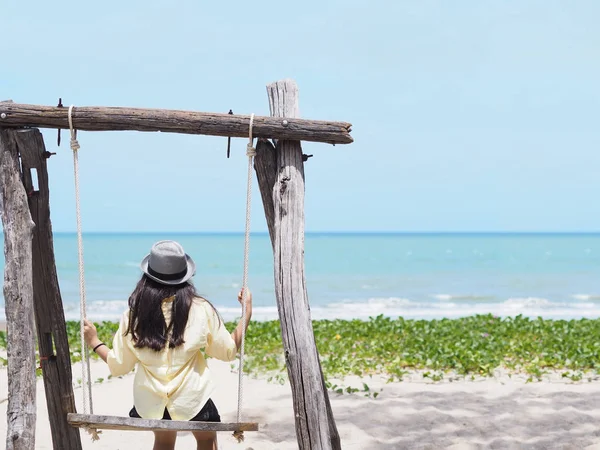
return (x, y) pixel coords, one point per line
(167, 277)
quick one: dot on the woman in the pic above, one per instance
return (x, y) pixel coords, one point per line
(163, 332)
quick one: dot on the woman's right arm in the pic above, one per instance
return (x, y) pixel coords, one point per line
(243, 324)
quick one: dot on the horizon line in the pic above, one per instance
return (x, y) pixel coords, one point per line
(353, 232)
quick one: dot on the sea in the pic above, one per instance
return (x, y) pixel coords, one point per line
(357, 275)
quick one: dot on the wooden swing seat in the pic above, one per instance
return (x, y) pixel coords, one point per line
(135, 424)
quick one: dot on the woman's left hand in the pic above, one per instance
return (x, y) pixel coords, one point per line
(89, 332)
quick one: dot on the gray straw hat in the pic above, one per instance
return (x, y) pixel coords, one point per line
(167, 263)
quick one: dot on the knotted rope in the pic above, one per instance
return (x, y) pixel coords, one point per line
(250, 152)
(86, 378)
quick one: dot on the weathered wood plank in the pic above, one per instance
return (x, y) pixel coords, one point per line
(97, 118)
(134, 424)
(18, 298)
(315, 425)
(53, 342)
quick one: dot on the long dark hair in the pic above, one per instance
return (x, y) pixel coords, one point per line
(147, 323)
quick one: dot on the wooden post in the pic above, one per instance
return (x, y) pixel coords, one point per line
(315, 425)
(266, 173)
(18, 298)
(49, 314)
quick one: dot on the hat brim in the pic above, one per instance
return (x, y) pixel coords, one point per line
(191, 271)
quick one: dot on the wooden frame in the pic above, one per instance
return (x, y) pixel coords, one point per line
(280, 172)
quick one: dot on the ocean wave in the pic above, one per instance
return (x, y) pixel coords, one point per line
(529, 307)
(259, 313)
(593, 297)
(409, 309)
(467, 297)
(528, 302)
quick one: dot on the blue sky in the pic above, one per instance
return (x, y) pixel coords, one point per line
(479, 115)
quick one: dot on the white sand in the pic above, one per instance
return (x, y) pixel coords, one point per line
(494, 413)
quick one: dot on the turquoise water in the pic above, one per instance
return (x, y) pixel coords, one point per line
(360, 275)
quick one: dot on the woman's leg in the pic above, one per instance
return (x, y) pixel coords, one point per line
(164, 440)
(206, 440)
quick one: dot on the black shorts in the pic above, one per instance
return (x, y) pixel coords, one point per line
(208, 413)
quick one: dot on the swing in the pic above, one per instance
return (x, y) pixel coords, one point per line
(91, 422)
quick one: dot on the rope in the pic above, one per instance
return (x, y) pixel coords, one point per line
(86, 378)
(250, 152)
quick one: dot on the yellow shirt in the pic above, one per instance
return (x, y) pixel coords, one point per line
(175, 378)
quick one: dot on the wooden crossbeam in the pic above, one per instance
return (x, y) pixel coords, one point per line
(135, 424)
(100, 118)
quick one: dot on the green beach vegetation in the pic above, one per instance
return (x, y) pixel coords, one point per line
(469, 347)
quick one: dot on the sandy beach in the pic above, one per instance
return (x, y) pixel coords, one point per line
(495, 413)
